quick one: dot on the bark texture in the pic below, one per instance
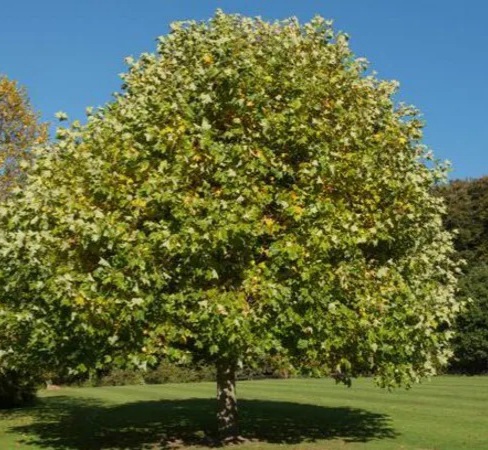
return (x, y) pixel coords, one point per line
(227, 418)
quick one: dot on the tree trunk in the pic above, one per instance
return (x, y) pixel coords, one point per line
(227, 402)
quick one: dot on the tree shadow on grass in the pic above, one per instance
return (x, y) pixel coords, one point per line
(84, 424)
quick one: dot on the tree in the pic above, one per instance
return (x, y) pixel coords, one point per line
(470, 343)
(250, 193)
(19, 132)
(467, 213)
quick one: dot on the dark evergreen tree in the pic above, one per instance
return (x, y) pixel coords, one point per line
(467, 212)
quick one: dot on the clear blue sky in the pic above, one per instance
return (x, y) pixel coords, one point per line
(69, 54)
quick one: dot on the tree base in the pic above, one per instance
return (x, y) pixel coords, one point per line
(234, 440)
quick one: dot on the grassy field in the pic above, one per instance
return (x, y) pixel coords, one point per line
(446, 413)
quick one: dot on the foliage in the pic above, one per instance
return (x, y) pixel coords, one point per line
(16, 388)
(173, 373)
(165, 372)
(471, 340)
(168, 372)
(251, 192)
(121, 377)
(467, 213)
(19, 131)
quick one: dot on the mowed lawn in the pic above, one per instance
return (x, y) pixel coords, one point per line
(446, 413)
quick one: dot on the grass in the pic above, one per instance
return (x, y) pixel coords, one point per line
(447, 413)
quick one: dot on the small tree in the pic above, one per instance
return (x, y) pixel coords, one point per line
(251, 193)
(19, 132)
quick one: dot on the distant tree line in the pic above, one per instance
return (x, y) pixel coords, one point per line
(467, 213)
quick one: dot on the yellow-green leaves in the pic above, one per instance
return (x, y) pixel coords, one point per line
(251, 192)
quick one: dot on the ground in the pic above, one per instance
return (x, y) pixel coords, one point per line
(447, 413)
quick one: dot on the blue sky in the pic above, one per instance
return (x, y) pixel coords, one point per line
(68, 54)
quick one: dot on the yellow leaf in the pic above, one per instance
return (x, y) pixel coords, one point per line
(269, 222)
(298, 210)
(139, 203)
(208, 59)
(221, 310)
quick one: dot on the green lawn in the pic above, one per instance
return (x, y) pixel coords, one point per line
(446, 413)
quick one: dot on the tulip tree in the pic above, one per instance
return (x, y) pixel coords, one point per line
(253, 193)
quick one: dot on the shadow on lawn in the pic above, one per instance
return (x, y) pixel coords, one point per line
(83, 424)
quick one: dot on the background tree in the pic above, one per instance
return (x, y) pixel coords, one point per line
(467, 213)
(252, 192)
(19, 132)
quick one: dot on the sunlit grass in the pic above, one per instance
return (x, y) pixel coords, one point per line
(446, 413)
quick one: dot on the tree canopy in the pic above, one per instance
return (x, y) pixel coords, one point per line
(252, 192)
(19, 132)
